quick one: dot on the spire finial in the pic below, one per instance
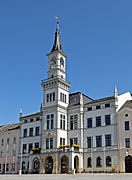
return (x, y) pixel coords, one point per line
(57, 44)
(57, 18)
(20, 113)
(115, 92)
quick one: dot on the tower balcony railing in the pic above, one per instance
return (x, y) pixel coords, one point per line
(55, 78)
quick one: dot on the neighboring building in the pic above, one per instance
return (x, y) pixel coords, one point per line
(30, 137)
(125, 137)
(74, 132)
(9, 148)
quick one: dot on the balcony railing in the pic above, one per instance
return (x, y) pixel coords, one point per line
(55, 78)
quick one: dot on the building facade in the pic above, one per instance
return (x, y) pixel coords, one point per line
(73, 132)
(9, 148)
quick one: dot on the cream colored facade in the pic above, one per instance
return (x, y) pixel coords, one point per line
(125, 132)
(9, 148)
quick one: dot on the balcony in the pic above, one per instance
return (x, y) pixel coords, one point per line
(55, 78)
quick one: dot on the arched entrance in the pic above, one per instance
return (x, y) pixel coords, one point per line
(49, 165)
(36, 165)
(64, 164)
(23, 166)
(128, 164)
(76, 163)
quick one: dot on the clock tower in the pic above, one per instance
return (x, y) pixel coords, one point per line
(55, 98)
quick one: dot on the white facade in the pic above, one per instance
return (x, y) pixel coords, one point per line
(71, 131)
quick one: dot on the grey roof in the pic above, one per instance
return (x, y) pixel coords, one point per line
(57, 44)
(9, 127)
(30, 115)
(101, 100)
(127, 104)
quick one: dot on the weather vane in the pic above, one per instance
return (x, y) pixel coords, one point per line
(57, 18)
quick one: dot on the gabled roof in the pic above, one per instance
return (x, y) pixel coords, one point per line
(30, 115)
(127, 104)
(9, 127)
(101, 100)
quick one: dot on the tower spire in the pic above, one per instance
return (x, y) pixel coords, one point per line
(57, 44)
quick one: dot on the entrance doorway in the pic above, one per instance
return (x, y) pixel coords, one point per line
(49, 165)
(128, 164)
(64, 164)
(36, 164)
(76, 164)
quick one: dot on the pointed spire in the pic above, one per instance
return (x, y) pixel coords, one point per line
(20, 113)
(115, 92)
(57, 44)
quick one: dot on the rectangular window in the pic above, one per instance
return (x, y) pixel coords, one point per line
(71, 142)
(30, 147)
(107, 105)
(24, 148)
(108, 140)
(89, 109)
(75, 141)
(71, 123)
(8, 140)
(107, 119)
(31, 132)
(25, 133)
(25, 121)
(47, 143)
(61, 141)
(63, 124)
(37, 131)
(54, 96)
(60, 96)
(51, 143)
(65, 99)
(98, 141)
(47, 124)
(31, 120)
(50, 97)
(127, 142)
(13, 166)
(37, 119)
(75, 121)
(37, 145)
(98, 121)
(2, 142)
(47, 98)
(126, 125)
(98, 107)
(89, 122)
(52, 123)
(14, 140)
(89, 142)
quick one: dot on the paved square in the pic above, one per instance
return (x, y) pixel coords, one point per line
(68, 177)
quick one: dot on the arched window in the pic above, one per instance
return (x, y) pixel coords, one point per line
(108, 161)
(98, 162)
(61, 62)
(89, 162)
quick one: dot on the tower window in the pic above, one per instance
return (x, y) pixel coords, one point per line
(50, 97)
(63, 97)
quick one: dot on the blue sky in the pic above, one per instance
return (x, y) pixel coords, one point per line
(96, 35)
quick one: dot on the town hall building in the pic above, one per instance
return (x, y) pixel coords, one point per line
(73, 132)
